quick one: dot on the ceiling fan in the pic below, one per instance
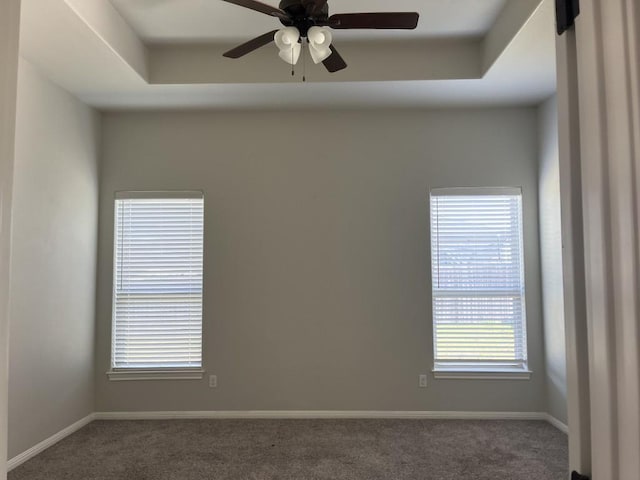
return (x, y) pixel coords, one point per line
(308, 21)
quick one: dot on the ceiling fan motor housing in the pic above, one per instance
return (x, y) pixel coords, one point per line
(299, 18)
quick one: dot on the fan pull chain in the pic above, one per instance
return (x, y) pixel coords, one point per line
(304, 60)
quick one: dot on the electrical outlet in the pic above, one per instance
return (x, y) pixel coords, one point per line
(213, 381)
(422, 381)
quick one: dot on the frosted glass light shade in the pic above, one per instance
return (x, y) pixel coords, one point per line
(319, 43)
(291, 55)
(287, 41)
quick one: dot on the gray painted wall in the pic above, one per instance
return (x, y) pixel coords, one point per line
(53, 271)
(551, 261)
(9, 39)
(317, 268)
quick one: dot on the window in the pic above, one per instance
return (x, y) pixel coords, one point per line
(157, 283)
(478, 283)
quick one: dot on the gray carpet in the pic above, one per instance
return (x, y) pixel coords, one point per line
(304, 449)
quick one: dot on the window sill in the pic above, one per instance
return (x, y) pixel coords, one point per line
(164, 374)
(484, 374)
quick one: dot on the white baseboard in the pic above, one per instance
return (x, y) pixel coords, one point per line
(319, 414)
(52, 440)
(557, 423)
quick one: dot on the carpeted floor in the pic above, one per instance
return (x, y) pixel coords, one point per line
(304, 449)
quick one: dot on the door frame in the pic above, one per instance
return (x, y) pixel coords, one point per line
(599, 122)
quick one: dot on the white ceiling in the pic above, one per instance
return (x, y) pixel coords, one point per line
(168, 21)
(145, 54)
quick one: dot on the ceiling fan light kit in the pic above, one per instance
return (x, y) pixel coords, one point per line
(310, 20)
(288, 40)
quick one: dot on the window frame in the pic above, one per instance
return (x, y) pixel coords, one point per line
(151, 373)
(488, 370)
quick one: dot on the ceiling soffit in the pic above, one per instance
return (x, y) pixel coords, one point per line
(88, 48)
(374, 60)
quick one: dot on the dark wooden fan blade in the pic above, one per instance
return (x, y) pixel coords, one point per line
(334, 62)
(260, 7)
(389, 20)
(251, 45)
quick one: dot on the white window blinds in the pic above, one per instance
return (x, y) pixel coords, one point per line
(478, 280)
(157, 304)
